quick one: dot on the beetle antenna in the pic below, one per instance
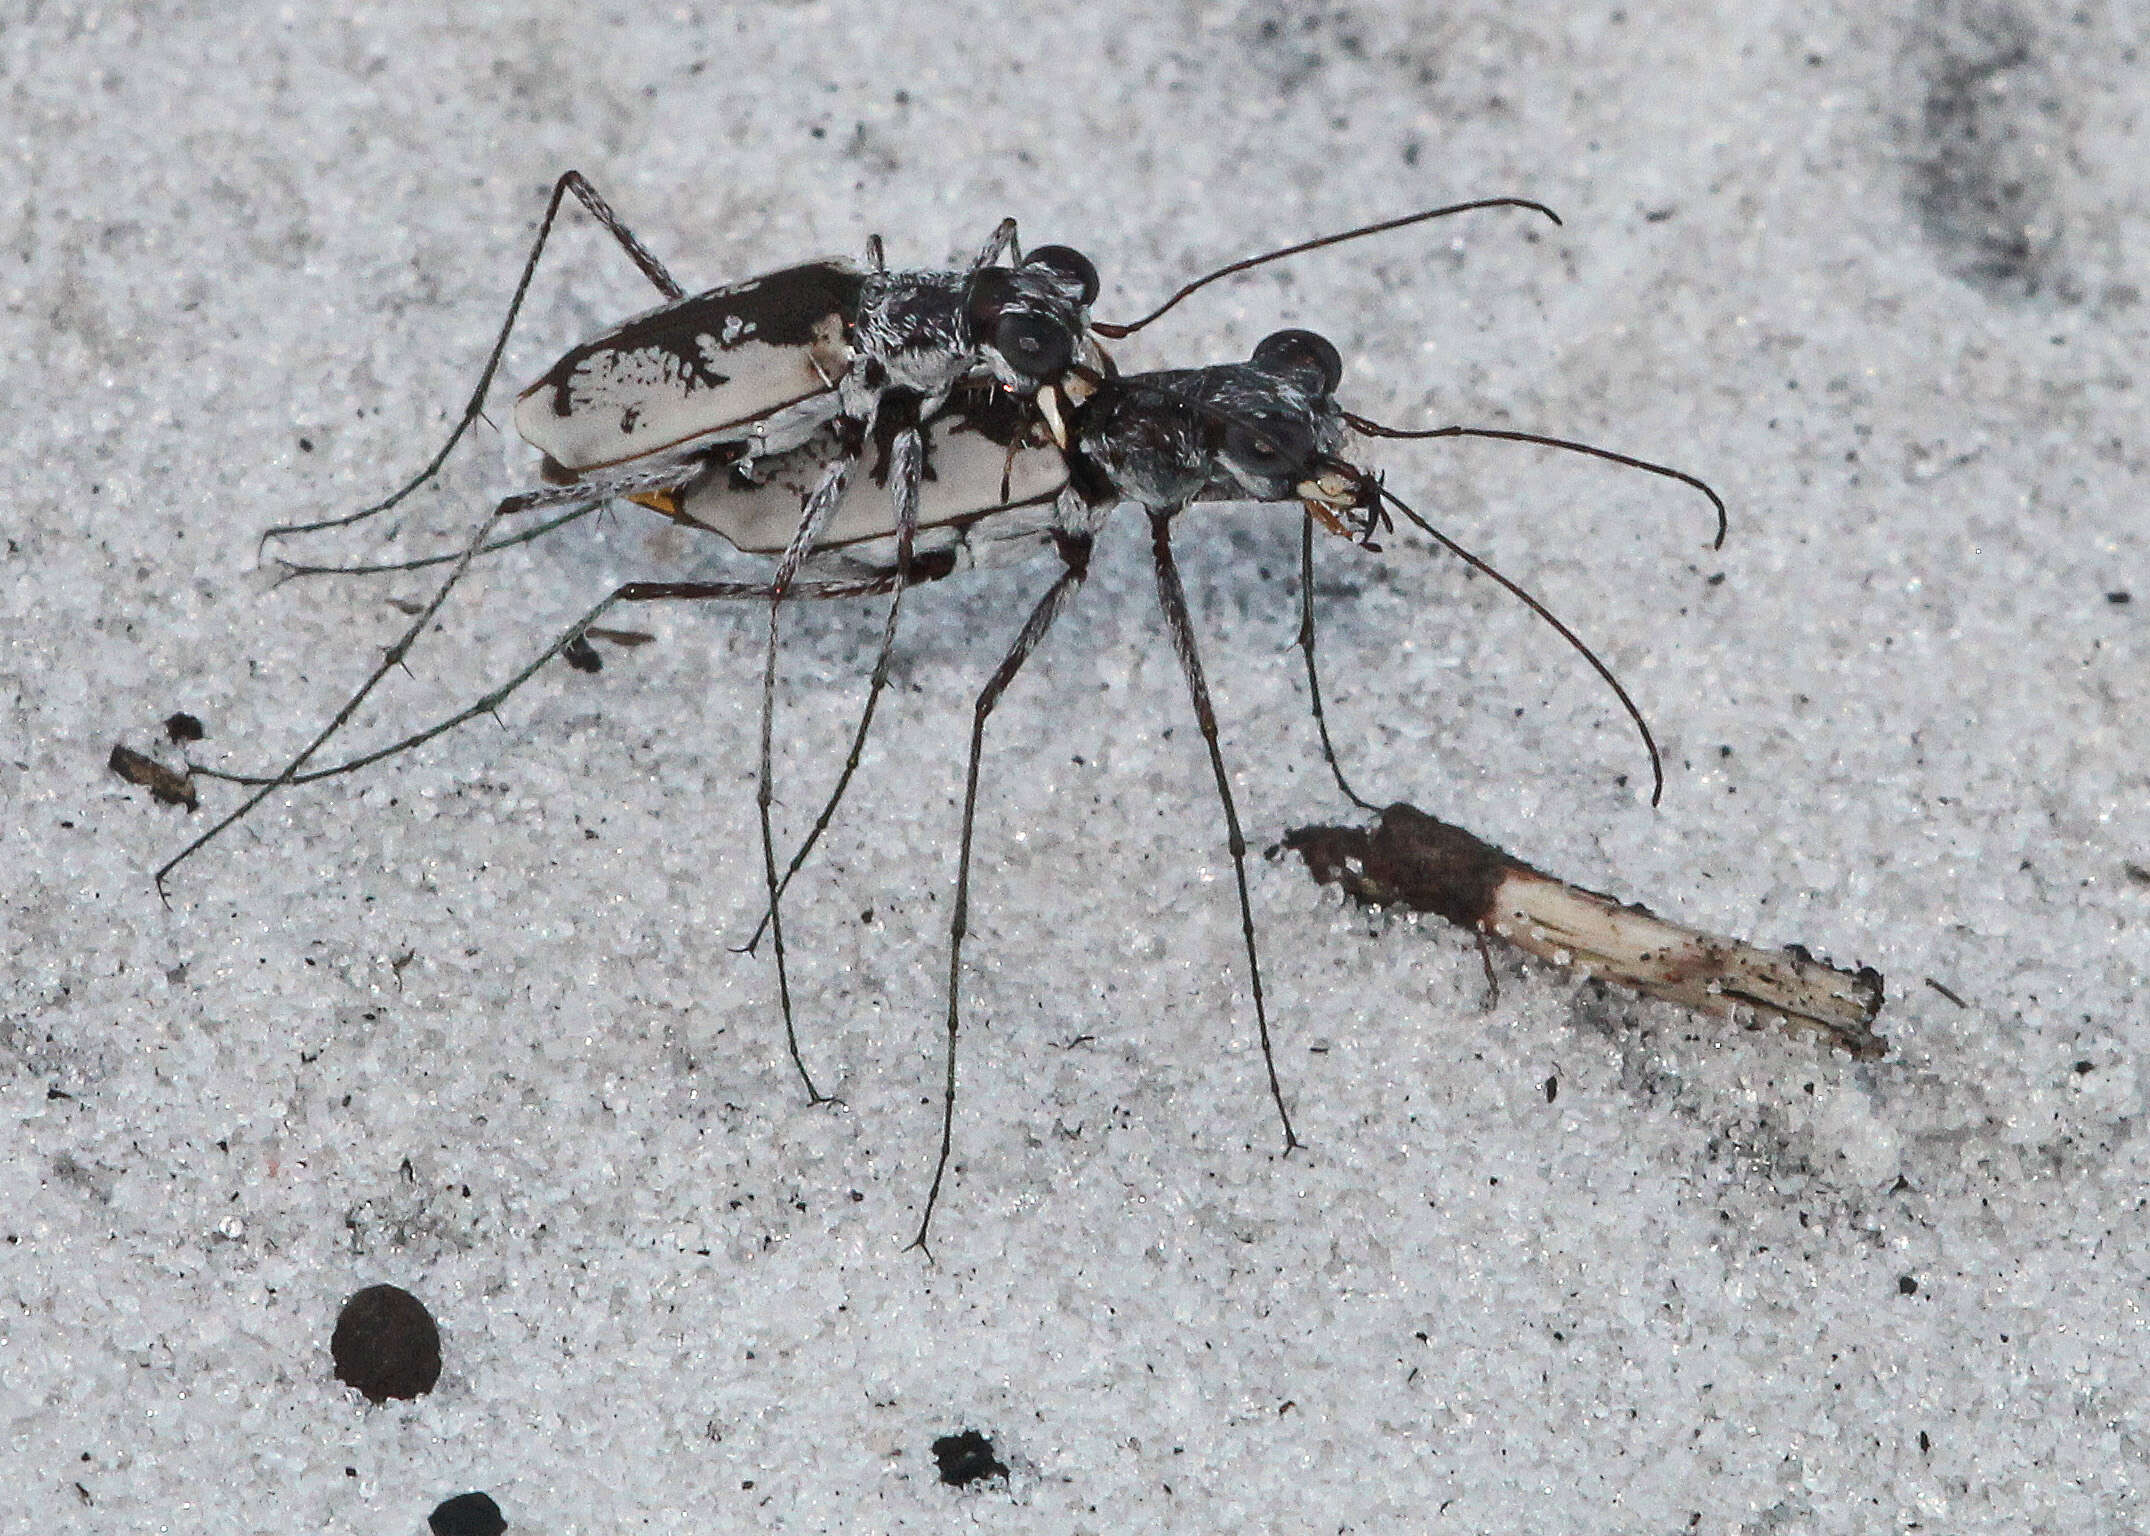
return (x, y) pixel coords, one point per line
(1368, 428)
(1115, 332)
(1642, 726)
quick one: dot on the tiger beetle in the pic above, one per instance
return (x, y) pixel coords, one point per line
(750, 370)
(993, 426)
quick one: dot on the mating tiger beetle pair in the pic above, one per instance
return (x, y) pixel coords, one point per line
(870, 430)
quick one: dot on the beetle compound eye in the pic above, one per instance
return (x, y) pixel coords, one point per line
(1269, 445)
(1071, 266)
(991, 291)
(1301, 352)
(1034, 345)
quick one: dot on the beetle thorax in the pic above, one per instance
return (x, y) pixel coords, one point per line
(1149, 446)
(910, 334)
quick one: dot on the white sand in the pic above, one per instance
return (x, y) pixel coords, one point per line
(468, 1022)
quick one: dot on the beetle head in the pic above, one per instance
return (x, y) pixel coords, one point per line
(1273, 437)
(1031, 321)
(1274, 425)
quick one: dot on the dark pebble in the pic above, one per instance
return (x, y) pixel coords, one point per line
(965, 1458)
(386, 1344)
(467, 1514)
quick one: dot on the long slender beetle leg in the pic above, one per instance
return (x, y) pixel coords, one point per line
(583, 495)
(813, 517)
(1172, 596)
(598, 209)
(631, 592)
(389, 661)
(1003, 239)
(1313, 673)
(1074, 551)
(291, 570)
(906, 469)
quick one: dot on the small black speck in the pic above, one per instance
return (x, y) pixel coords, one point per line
(183, 728)
(467, 1514)
(1906, 1286)
(965, 1458)
(306, 445)
(1724, 751)
(819, 133)
(1717, 580)
(866, 916)
(2120, 599)
(1925, 1442)
(1552, 1089)
(2085, 1068)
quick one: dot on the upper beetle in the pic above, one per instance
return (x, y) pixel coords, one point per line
(765, 362)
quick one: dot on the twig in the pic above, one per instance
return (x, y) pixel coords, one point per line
(1414, 860)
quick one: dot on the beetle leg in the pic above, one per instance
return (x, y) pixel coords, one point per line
(631, 592)
(583, 495)
(392, 659)
(1173, 598)
(599, 210)
(1003, 239)
(1313, 675)
(1074, 551)
(820, 504)
(906, 458)
(289, 569)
